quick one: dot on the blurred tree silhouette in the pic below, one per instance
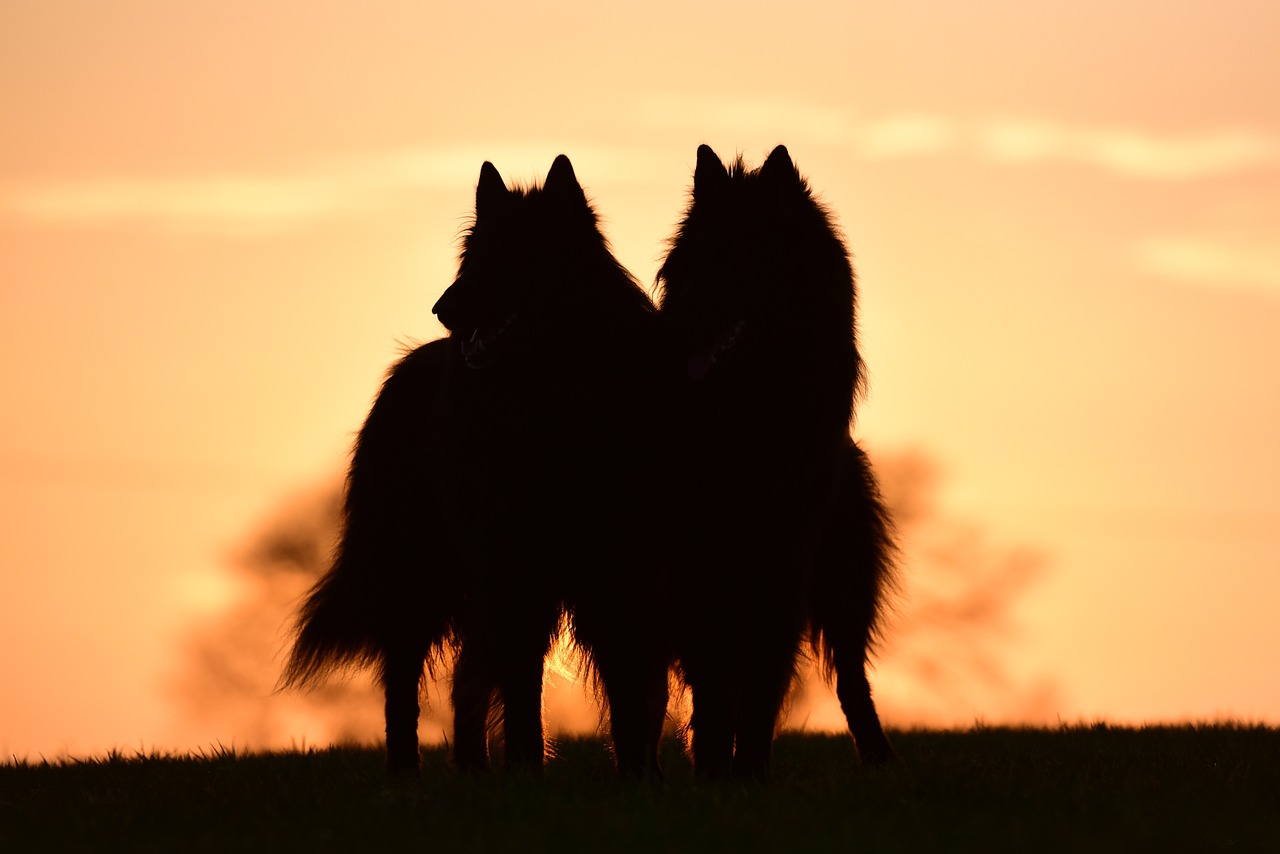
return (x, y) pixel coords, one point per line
(944, 656)
(942, 661)
(235, 659)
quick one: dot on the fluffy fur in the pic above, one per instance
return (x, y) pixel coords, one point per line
(759, 294)
(497, 480)
(851, 575)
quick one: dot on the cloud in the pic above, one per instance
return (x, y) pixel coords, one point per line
(225, 202)
(273, 202)
(907, 135)
(1128, 153)
(1208, 262)
(1131, 153)
(269, 203)
(769, 120)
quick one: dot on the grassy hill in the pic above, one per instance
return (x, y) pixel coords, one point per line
(1072, 789)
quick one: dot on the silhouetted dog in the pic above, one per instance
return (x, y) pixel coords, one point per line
(500, 476)
(758, 290)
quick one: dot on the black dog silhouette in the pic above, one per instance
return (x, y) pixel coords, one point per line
(778, 526)
(501, 477)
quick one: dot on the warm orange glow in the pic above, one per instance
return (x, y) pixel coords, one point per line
(217, 221)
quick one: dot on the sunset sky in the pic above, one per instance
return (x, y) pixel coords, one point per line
(220, 221)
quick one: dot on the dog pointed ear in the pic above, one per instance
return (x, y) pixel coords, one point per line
(778, 166)
(710, 172)
(490, 190)
(562, 184)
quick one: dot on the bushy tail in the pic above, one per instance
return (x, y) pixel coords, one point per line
(855, 566)
(336, 629)
(380, 598)
(854, 574)
(385, 593)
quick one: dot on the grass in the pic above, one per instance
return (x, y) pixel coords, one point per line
(1092, 788)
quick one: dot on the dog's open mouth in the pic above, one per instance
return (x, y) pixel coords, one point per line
(702, 362)
(477, 348)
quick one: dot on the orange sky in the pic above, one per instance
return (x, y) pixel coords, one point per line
(218, 219)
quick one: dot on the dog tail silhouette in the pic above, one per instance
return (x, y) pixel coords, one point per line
(854, 575)
(385, 593)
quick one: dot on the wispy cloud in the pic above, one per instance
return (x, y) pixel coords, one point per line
(1130, 152)
(1133, 153)
(906, 135)
(747, 119)
(217, 202)
(269, 203)
(768, 121)
(1208, 262)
